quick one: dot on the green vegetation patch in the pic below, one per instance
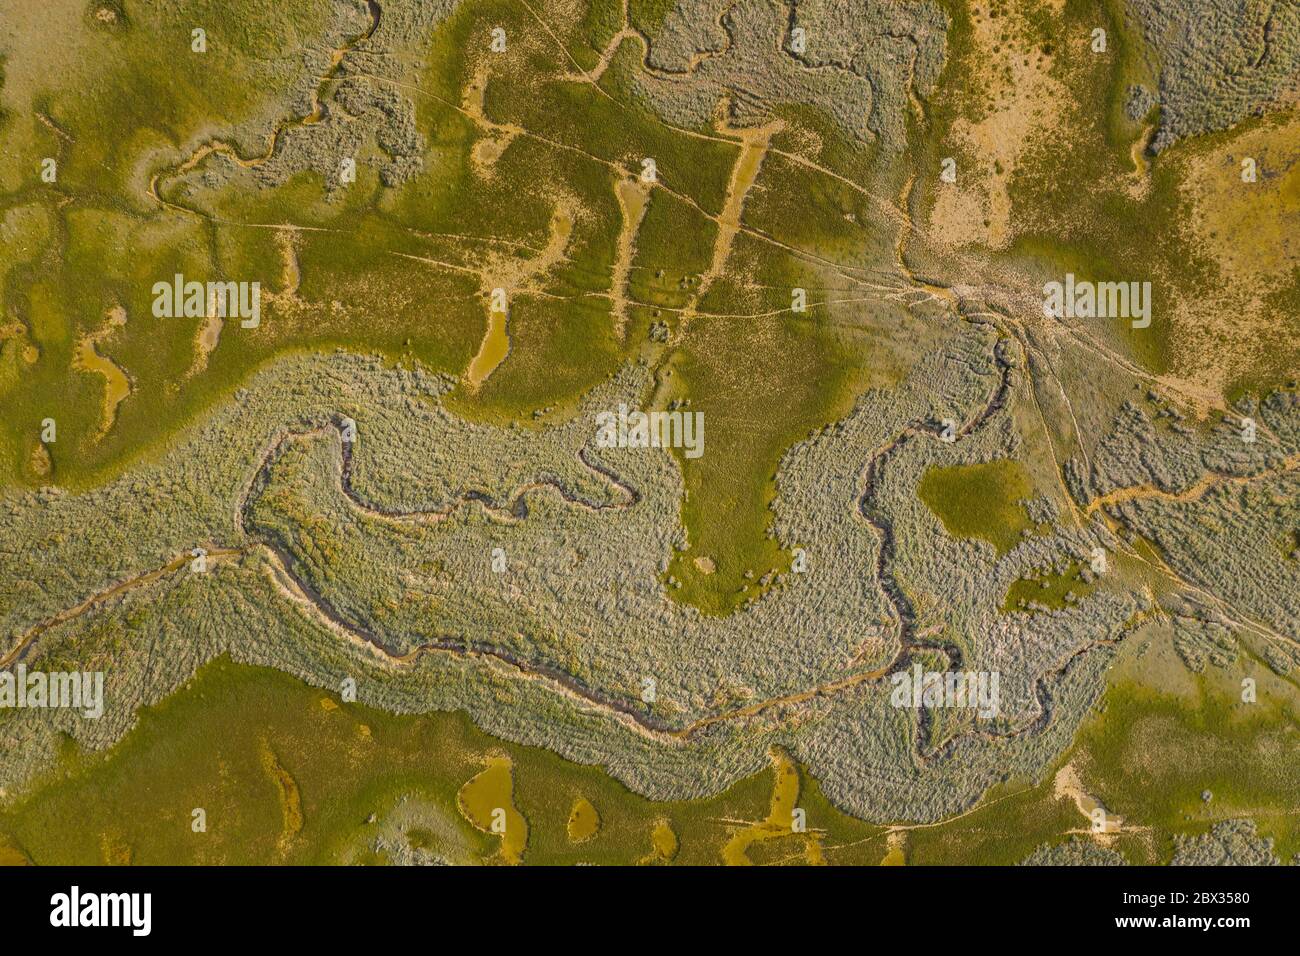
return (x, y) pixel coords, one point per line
(980, 501)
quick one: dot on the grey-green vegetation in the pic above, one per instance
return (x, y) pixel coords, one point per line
(919, 469)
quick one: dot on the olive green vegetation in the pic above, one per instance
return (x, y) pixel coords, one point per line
(1051, 590)
(367, 259)
(113, 243)
(674, 244)
(763, 381)
(331, 766)
(1151, 754)
(336, 770)
(150, 92)
(649, 15)
(818, 213)
(1010, 823)
(356, 288)
(1148, 755)
(601, 20)
(285, 772)
(1134, 64)
(980, 501)
(1087, 226)
(1276, 366)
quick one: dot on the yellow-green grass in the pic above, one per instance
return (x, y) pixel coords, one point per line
(1153, 753)
(1049, 590)
(980, 501)
(205, 748)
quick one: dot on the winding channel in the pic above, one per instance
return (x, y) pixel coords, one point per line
(281, 564)
(227, 149)
(634, 715)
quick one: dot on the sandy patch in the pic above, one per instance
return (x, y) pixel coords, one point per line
(515, 275)
(1252, 231)
(87, 358)
(1066, 785)
(496, 136)
(39, 463)
(633, 197)
(1024, 100)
